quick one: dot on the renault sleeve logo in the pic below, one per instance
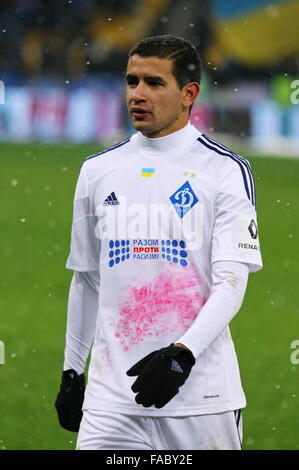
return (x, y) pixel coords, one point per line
(253, 229)
(183, 199)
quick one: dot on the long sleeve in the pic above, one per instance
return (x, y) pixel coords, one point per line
(226, 297)
(81, 319)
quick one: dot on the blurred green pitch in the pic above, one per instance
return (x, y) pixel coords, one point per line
(37, 187)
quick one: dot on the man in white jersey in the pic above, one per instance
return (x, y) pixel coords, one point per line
(164, 235)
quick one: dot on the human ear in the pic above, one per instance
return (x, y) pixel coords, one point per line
(191, 92)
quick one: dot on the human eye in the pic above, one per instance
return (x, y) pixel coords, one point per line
(131, 81)
(154, 83)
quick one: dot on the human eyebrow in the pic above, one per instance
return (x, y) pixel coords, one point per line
(155, 79)
(131, 78)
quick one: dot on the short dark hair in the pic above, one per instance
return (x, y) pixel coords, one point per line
(186, 59)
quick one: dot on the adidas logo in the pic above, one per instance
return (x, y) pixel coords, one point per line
(176, 367)
(111, 200)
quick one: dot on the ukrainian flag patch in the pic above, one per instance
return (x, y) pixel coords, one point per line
(146, 172)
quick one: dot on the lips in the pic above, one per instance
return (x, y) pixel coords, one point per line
(139, 113)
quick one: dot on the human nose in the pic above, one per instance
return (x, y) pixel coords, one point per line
(139, 93)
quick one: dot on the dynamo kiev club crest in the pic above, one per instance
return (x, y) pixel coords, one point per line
(183, 199)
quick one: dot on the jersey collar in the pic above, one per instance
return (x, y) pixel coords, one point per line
(172, 144)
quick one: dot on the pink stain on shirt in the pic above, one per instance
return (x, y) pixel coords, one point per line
(168, 304)
(105, 357)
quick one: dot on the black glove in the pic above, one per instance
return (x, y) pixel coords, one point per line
(69, 400)
(161, 373)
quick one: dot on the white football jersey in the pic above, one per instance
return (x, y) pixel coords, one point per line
(151, 216)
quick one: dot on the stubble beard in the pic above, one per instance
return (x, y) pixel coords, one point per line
(155, 128)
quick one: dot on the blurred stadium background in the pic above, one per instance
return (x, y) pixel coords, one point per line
(62, 66)
(64, 59)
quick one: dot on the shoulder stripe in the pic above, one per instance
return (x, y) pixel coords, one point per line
(243, 164)
(120, 144)
(241, 159)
